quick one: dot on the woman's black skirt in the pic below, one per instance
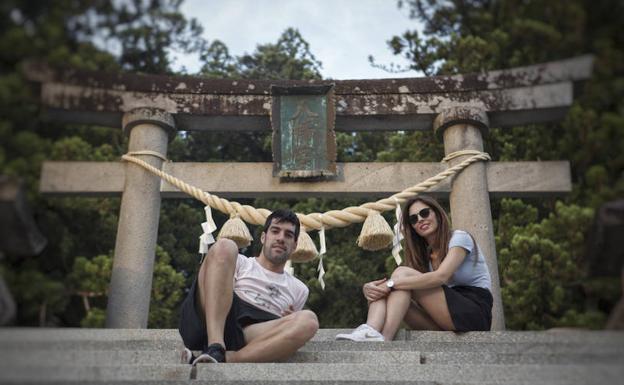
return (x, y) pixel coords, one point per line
(470, 307)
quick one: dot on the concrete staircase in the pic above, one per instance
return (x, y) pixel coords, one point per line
(99, 356)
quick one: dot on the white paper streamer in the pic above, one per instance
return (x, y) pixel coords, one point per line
(206, 239)
(323, 250)
(398, 236)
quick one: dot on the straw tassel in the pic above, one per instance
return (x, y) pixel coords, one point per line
(306, 249)
(236, 230)
(376, 233)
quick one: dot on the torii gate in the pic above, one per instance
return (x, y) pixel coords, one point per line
(150, 109)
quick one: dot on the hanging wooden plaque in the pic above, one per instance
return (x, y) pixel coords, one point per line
(304, 140)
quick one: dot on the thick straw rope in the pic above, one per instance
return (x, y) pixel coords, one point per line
(315, 221)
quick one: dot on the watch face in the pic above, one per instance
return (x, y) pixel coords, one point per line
(390, 283)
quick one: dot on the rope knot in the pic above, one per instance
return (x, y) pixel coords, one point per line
(453, 155)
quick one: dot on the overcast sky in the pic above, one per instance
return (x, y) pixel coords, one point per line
(341, 33)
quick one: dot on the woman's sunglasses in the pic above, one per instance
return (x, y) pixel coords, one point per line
(424, 214)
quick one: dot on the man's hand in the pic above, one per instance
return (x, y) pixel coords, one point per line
(375, 290)
(288, 311)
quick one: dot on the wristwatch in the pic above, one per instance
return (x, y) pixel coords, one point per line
(390, 284)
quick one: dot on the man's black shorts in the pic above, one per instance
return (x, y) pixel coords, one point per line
(193, 329)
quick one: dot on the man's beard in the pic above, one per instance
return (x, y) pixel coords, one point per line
(277, 259)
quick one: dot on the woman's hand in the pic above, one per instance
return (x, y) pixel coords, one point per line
(375, 290)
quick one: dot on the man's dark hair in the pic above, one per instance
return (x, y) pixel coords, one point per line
(283, 215)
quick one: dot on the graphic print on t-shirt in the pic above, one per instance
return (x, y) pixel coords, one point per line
(258, 300)
(273, 291)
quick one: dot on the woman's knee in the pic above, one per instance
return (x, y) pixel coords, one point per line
(403, 271)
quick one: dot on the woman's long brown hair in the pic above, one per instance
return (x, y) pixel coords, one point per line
(417, 255)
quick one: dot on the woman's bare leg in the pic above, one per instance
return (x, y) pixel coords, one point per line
(377, 314)
(433, 302)
(417, 319)
(398, 303)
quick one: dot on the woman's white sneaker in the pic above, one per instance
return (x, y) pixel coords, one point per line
(362, 333)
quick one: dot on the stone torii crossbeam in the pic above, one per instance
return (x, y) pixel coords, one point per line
(150, 109)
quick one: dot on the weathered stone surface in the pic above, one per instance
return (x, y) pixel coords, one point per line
(461, 115)
(367, 180)
(574, 69)
(80, 374)
(346, 357)
(148, 115)
(576, 374)
(231, 108)
(80, 356)
(498, 358)
(516, 96)
(552, 336)
(505, 347)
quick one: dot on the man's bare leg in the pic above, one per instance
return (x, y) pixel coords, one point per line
(215, 280)
(276, 340)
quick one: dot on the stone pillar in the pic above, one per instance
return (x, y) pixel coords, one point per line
(463, 128)
(137, 230)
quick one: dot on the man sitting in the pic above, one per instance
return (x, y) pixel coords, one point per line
(249, 306)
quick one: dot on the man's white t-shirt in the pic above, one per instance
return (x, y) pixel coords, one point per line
(267, 290)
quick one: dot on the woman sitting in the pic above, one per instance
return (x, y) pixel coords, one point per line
(445, 284)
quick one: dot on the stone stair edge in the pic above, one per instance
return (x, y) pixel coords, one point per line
(16, 333)
(444, 373)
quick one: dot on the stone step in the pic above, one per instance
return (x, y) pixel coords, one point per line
(309, 373)
(569, 374)
(123, 356)
(347, 357)
(85, 357)
(46, 374)
(468, 357)
(550, 336)
(559, 358)
(149, 346)
(172, 357)
(154, 339)
(453, 347)
(11, 335)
